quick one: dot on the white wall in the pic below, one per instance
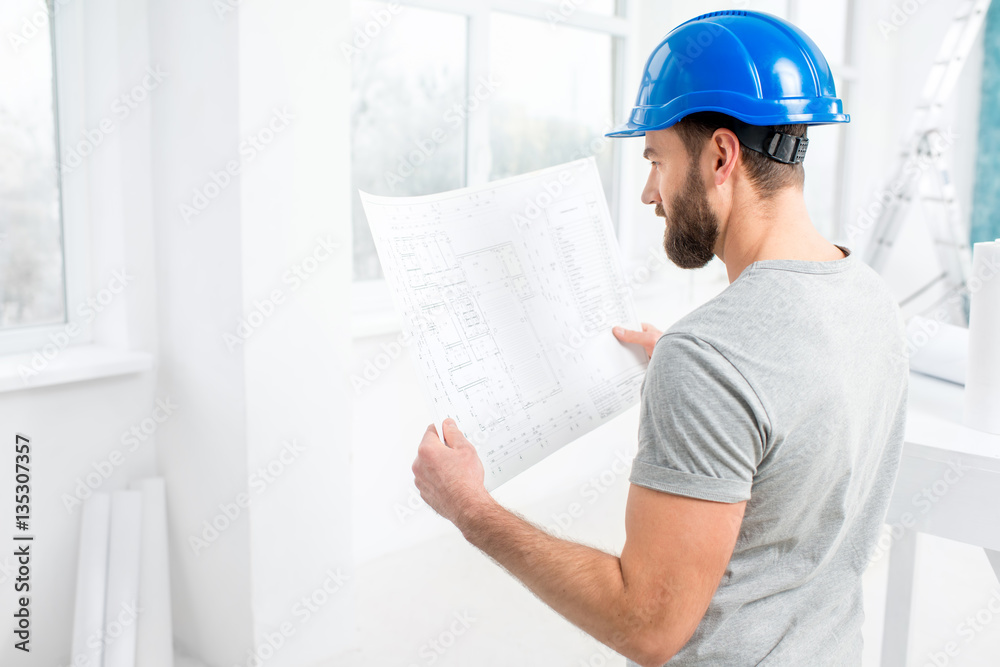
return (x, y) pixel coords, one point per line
(262, 86)
(202, 452)
(224, 74)
(295, 214)
(73, 427)
(76, 428)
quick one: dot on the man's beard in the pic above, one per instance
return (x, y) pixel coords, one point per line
(692, 228)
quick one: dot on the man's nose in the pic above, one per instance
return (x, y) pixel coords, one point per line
(651, 193)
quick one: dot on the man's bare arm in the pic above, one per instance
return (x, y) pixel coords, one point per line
(644, 604)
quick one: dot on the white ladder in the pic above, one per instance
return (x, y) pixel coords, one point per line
(923, 149)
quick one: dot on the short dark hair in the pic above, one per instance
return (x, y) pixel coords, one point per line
(766, 175)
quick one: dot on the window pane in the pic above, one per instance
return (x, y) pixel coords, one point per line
(554, 102)
(408, 102)
(31, 252)
(565, 8)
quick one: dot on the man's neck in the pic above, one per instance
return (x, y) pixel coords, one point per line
(779, 228)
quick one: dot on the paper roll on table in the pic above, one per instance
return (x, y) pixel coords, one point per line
(937, 349)
(982, 384)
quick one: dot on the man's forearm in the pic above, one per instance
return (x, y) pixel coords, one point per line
(646, 604)
(583, 584)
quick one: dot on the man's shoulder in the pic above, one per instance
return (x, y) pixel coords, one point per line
(766, 305)
(721, 317)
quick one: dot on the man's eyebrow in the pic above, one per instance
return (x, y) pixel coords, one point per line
(648, 153)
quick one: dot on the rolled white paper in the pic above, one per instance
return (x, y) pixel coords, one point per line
(121, 607)
(982, 384)
(91, 581)
(154, 636)
(937, 349)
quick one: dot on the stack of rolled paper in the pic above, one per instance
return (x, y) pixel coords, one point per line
(982, 384)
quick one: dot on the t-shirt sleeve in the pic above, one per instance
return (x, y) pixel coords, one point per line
(702, 428)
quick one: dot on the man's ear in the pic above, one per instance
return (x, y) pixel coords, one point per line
(726, 150)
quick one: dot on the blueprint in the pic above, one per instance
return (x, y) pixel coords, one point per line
(508, 293)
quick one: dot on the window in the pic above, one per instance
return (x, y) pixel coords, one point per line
(32, 272)
(408, 108)
(543, 116)
(556, 74)
(447, 94)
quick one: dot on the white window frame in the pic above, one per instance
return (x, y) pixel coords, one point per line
(67, 45)
(372, 311)
(93, 245)
(848, 74)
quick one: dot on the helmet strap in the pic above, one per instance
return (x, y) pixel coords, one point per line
(784, 148)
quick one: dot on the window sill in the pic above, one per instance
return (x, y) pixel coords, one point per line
(73, 364)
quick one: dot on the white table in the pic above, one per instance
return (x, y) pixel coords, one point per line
(948, 485)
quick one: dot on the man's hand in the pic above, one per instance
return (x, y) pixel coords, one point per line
(647, 337)
(449, 474)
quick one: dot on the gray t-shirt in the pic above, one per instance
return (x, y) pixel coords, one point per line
(787, 390)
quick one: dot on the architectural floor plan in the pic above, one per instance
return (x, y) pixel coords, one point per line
(508, 293)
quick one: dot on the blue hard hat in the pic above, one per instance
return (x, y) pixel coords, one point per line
(752, 66)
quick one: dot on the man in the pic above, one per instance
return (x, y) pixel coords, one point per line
(771, 417)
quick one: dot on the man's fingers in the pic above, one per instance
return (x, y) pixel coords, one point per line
(430, 435)
(627, 335)
(430, 438)
(453, 437)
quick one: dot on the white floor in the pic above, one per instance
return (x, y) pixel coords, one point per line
(443, 603)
